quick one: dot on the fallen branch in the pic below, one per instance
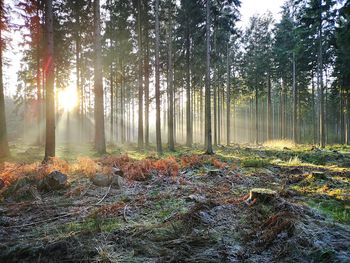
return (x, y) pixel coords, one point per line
(109, 188)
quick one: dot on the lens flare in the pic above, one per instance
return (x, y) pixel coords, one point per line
(67, 99)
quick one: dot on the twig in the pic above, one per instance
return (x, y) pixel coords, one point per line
(109, 188)
(124, 213)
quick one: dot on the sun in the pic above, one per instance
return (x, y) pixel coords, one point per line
(67, 99)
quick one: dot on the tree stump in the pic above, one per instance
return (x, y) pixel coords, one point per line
(262, 194)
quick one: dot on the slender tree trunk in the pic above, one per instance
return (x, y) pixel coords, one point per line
(49, 77)
(208, 135)
(314, 125)
(228, 98)
(320, 72)
(4, 147)
(38, 85)
(112, 102)
(256, 114)
(295, 104)
(157, 73)
(171, 144)
(100, 141)
(342, 126)
(189, 135)
(140, 119)
(269, 107)
(146, 78)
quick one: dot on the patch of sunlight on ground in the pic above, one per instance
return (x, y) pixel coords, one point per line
(280, 144)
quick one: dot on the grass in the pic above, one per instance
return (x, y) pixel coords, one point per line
(255, 162)
(337, 210)
(93, 224)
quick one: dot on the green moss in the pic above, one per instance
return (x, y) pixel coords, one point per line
(255, 162)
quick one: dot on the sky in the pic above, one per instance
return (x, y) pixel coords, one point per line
(13, 56)
(251, 7)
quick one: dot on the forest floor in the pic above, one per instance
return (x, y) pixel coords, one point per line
(182, 207)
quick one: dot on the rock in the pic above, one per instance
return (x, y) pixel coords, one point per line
(54, 181)
(117, 181)
(101, 180)
(104, 180)
(262, 194)
(2, 184)
(197, 198)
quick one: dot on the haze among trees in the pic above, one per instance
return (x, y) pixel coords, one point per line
(181, 73)
(168, 78)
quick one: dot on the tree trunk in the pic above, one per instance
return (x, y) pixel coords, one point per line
(157, 73)
(100, 141)
(189, 135)
(269, 107)
(4, 147)
(256, 114)
(321, 90)
(112, 102)
(146, 78)
(228, 98)
(314, 125)
(49, 77)
(171, 144)
(140, 119)
(208, 135)
(295, 104)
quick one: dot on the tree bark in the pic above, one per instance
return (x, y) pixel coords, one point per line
(295, 104)
(4, 147)
(269, 107)
(140, 119)
(171, 143)
(228, 98)
(50, 143)
(189, 134)
(157, 73)
(146, 79)
(208, 135)
(100, 141)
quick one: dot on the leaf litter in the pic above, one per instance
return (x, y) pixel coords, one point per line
(192, 208)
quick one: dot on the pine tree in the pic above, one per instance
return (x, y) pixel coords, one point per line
(100, 143)
(50, 143)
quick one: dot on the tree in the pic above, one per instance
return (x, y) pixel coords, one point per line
(208, 135)
(100, 142)
(158, 131)
(50, 143)
(4, 147)
(257, 60)
(228, 97)
(140, 58)
(170, 88)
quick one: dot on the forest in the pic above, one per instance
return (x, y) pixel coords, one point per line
(174, 131)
